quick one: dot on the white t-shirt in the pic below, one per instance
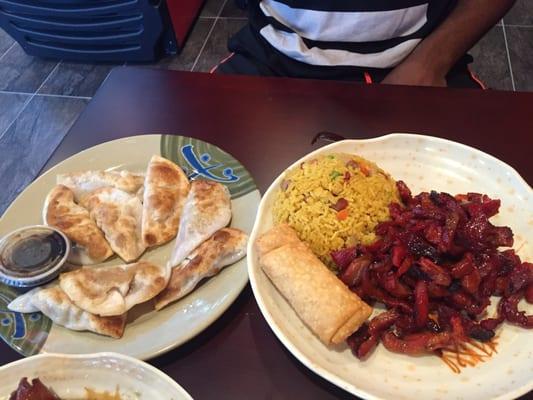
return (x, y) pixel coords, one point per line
(350, 33)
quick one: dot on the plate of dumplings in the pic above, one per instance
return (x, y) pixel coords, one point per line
(158, 227)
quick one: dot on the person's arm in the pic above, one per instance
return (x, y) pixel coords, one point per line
(434, 56)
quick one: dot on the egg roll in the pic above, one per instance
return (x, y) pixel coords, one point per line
(330, 310)
(276, 237)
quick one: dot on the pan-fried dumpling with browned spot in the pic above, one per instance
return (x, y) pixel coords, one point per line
(113, 290)
(118, 214)
(88, 242)
(84, 183)
(165, 189)
(207, 209)
(56, 305)
(224, 248)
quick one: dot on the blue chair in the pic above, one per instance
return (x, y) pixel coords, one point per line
(89, 30)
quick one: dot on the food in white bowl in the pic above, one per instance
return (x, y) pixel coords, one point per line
(426, 164)
(73, 377)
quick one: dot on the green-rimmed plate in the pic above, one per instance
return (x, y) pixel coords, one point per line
(148, 333)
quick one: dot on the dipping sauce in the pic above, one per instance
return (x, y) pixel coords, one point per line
(33, 255)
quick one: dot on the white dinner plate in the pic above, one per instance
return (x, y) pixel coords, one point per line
(69, 375)
(148, 333)
(424, 163)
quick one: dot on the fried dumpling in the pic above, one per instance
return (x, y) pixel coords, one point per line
(57, 306)
(23, 303)
(225, 247)
(88, 242)
(207, 209)
(118, 214)
(165, 190)
(113, 290)
(84, 183)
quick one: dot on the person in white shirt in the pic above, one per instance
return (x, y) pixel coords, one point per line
(409, 42)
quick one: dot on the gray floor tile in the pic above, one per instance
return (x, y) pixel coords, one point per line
(521, 13)
(490, 60)
(10, 106)
(5, 42)
(20, 72)
(520, 41)
(232, 11)
(185, 60)
(212, 8)
(216, 47)
(75, 79)
(28, 143)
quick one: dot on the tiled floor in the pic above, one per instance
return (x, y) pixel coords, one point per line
(40, 99)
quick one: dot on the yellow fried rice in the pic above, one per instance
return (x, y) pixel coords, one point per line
(310, 200)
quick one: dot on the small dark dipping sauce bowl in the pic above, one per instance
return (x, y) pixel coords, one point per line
(32, 255)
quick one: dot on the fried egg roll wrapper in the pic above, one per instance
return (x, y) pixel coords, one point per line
(276, 237)
(319, 298)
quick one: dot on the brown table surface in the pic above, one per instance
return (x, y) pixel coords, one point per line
(267, 124)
